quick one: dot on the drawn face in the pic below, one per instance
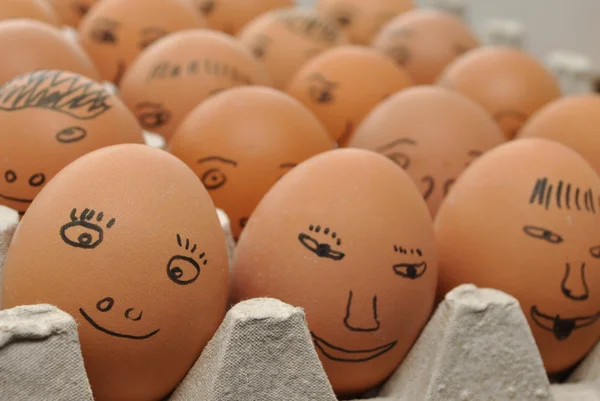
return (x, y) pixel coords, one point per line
(115, 32)
(54, 117)
(384, 279)
(139, 306)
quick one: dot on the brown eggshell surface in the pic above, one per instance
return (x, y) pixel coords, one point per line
(176, 74)
(525, 219)
(33, 45)
(509, 83)
(230, 16)
(115, 32)
(51, 118)
(342, 85)
(39, 10)
(424, 42)
(360, 19)
(431, 132)
(70, 12)
(283, 40)
(241, 141)
(572, 121)
(127, 241)
(346, 236)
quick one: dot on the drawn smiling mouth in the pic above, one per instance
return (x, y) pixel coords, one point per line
(10, 198)
(339, 354)
(560, 327)
(112, 333)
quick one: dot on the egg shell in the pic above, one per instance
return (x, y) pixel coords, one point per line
(34, 45)
(241, 141)
(50, 118)
(39, 10)
(525, 219)
(230, 16)
(347, 237)
(283, 40)
(115, 32)
(179, 72)
(572, 121)
(127, 241)
(341, 86)
(424, 42)
(361, 20)
(70, 12)
(509, 83)
(431, 132)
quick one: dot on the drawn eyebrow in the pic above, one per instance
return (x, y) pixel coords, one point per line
(153, 30)
(543, 192)
(400, 141)
(288, 165)
(217, 158)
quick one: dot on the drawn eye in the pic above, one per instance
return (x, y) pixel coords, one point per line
(103, 36)
(213, 179)
(37, 179)
(10, 176)
(81, 234)
(344, 20)
(207, 7)
(542, 233)
(153, 119)
(595, 251)
(71, 134)
(320, 94)
(183, 270)
(400, 159)
(258, 52)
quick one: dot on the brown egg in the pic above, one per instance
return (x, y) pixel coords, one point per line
(70, 12)
(525, 219)
(432, 133)
(361, 20)
(168, 80)
(242, 141)
(127, 241)
(572, 121)
(509, 83)
(39, 10)
(346, 236)
(285, 39)
(230, 16)
(114, 32)
(341, 86)
(51, 118)
(425, 41)
(33, 45)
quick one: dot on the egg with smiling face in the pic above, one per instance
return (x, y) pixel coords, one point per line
(347, 237)
(145, 305)
(115, 32)
(51, 118)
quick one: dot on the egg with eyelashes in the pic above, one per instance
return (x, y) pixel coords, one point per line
(346, 236)
(145, 305)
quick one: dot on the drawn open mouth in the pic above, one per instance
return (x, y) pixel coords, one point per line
(344, 355)
(561, 328)
(112, 333)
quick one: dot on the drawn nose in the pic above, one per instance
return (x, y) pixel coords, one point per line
(105, 304)
(131, 314)
(361, 315)
(574, 285)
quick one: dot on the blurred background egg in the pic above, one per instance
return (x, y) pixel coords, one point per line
(146, 305)
(34, 45)
(340, 86)
(431, 132)
(49, 119)
(70, 12)
(359, 19)
(425, 41)
(230, 16)
(39, 10)
(525, 219)
(509, 83)
(283, 40)
(115, 32)
(347, 237)
(241, 141)
(573, 121)
(180, 71)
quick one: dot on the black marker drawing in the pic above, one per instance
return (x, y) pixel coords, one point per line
(322, 250)
(569, 292)
(37, 179)
(103, 31)
(164, 70)
(376, 324)
(81, 232)
(71, 134)
(184, 270)
(74, 95)
(340, 354)
(10, 176)
(320, 89)
(152, 115)
(543, 233)
(562, 328)
(261, 44)
(207, 7)
(429, 182)
(448, 185)
(243, 222)
(309, 26)
(566, 195)
(214, 178)
(410, 271)
(595, 251)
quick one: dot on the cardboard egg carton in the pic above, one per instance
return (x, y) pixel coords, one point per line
(574, 71)
(504, 32)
